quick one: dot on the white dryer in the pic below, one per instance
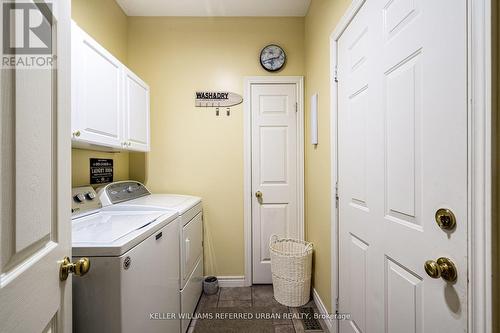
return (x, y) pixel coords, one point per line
(190, 213)
(134, 273)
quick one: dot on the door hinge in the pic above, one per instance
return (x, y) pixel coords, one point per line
(337, 305)
(336, 194)
(335, 75)
(296, 107)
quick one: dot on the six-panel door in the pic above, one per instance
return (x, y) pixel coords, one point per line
(35, 175)
(402, 140)
(274, 170)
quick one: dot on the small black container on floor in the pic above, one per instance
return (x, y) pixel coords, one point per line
(210, 285)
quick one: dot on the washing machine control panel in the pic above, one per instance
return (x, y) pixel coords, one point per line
(124, 191)
(84, 199)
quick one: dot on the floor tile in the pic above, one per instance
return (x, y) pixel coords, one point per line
(262, 291)
(284, 329)
(224, 324)
(235, 303)
(271, 302)
(283, 320)
(297, 323)
(207, 302)
(235, 294)
(263, 296)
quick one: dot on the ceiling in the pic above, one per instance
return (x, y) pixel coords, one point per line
(214, 7)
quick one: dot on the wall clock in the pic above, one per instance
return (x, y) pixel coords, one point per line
(272, 58)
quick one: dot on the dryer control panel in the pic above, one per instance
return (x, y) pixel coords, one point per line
(122, 191)
(84, 199)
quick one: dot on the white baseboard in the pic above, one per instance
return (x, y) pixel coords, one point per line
(231, 281)
(322, 310)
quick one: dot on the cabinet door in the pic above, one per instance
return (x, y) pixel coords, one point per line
(136, 112)
(97, 115)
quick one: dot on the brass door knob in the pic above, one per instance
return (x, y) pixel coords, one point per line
(445, 219)
(80, 267)
(443, 267)
(258, 194)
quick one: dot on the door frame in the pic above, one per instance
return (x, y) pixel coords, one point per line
(480, 151)
(247, 159)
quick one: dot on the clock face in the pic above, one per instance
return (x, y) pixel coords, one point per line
(272, 58)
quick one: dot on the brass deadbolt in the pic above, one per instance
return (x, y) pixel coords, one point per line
(445, 219)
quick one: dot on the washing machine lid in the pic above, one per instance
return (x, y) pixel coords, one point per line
(176, 202)
(112, 233)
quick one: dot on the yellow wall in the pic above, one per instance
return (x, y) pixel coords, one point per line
(107, 23)
(320, 21)
(193, 151)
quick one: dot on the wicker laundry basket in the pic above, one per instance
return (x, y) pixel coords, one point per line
(291, 261)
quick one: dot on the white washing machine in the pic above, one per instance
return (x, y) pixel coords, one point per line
(133, 280)
(189, 209)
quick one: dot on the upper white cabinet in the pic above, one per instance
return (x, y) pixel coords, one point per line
(136, 117)
(110, 104)
(96, 83)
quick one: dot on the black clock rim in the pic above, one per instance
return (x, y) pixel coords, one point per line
(277, 69)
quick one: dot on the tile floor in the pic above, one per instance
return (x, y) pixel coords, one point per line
(247, 303)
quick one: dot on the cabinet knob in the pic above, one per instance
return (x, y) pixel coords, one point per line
(76, 133)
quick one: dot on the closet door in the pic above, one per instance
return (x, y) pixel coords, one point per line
(136, 112)
(97, 115)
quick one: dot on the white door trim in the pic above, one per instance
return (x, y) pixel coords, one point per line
(247, 160)
(480, 152)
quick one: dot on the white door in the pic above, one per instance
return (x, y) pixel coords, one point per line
(275, 158)
(136, 112)
(402, 132)
(97, 92)
(35, 180)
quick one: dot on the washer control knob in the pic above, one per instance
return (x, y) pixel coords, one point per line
(80, 197)
(90, 195)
